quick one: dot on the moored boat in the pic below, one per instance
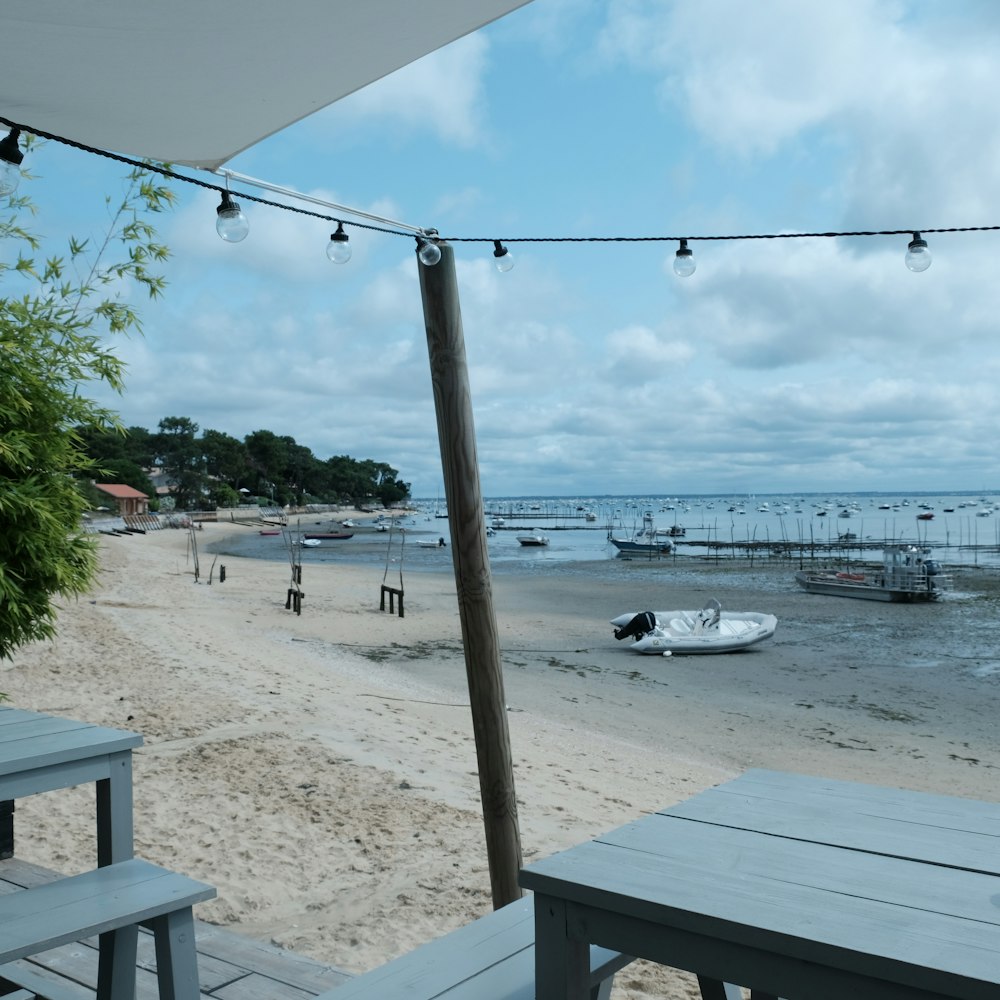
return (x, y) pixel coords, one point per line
(427, 543)
(908, 573)
(709, 630)
(646, 541)
(533, 539)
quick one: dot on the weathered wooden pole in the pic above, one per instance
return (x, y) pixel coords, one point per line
(466, 518)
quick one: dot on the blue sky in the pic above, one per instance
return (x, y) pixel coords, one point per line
(780, 365)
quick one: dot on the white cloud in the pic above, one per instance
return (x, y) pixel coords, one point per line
(441, 93)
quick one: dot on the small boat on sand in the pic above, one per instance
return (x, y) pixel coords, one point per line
(427, 543)
(329, 535)
(908, 573)
(709, 630)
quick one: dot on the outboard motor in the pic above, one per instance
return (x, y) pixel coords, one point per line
(640, 624)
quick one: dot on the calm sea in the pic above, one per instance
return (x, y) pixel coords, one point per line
(962, 528)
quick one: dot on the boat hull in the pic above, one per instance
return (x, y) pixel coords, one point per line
(681, 632)
(647, 548)
(833, 586)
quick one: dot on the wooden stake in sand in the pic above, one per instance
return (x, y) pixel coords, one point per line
(294, 594)
(483, 667)
(393, 592)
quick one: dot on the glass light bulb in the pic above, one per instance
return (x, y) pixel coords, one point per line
(684, 262)
(502, 257)
(430, 253)
(918, 257)
(230, 223)
(339, 249)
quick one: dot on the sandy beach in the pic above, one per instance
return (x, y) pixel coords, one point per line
(319, 769)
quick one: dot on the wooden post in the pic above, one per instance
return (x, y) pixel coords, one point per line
(483, 667)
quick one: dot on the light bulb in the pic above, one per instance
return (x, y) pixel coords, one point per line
(339, 247)
(503, 258)
(684, 262)
(918, 257)
(429, 253)
(231, 224)
(10, 163)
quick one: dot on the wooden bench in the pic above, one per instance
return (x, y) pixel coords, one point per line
(493, 958)
(112, 901)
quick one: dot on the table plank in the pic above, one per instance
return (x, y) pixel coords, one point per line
(10, 715)
(859, 798)
(59, 747)
(967, 895)
(39, 725)
(955, 832)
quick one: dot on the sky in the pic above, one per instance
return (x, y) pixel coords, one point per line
(779, 366)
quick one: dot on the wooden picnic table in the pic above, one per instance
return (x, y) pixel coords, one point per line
(791, 885)
(40, 753)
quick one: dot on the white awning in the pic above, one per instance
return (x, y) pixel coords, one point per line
(197, 81)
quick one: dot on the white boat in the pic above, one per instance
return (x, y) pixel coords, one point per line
(709, 630)
(533, 538)
(907, 573)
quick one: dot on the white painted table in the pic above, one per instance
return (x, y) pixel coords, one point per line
(793, 886)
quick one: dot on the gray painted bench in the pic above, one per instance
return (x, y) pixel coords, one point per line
(112, 901)
(493, 958)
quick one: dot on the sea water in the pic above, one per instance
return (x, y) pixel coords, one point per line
(961, 528)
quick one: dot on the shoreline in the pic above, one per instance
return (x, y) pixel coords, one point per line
(320, 769)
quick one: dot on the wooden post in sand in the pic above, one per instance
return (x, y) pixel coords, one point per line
(457, 437)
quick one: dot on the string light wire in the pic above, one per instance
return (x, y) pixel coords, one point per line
(394, 228)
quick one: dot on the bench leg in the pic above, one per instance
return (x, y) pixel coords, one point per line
(176, 955)
(116, 964)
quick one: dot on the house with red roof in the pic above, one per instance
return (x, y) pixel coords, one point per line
(128, 500)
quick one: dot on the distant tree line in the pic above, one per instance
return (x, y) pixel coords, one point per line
(216, 469)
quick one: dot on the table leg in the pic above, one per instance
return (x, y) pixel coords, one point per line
(114, 811)
(6, 829)
(713, 989)
(562, 964)
(115, 842)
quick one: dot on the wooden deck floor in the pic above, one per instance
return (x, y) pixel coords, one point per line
(231, 966)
